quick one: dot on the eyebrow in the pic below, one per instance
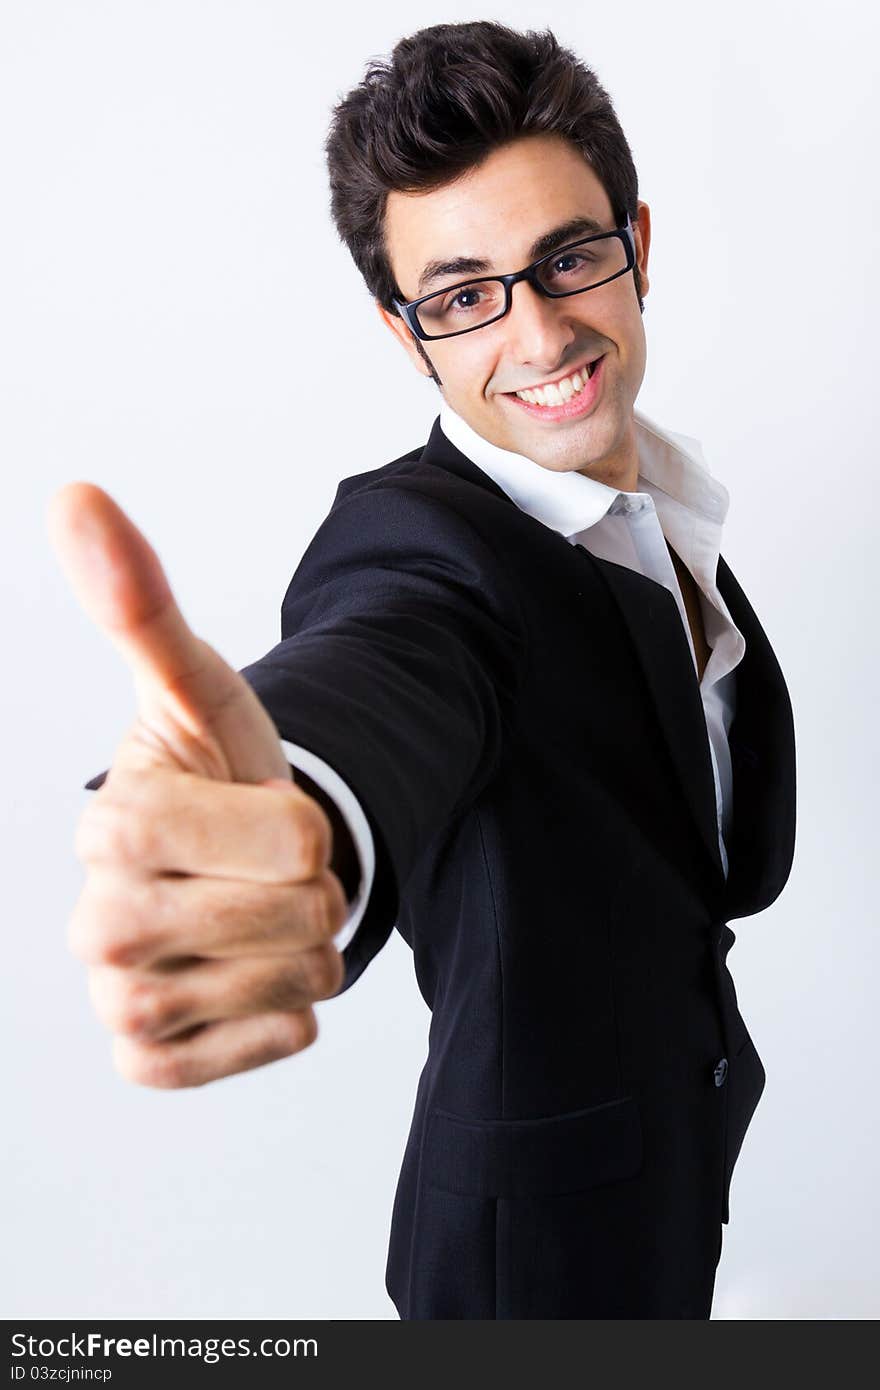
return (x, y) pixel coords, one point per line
(471, 265)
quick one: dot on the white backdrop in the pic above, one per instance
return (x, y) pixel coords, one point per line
(178, 324)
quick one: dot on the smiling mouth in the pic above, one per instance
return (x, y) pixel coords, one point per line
(567, 399)
(559, 391)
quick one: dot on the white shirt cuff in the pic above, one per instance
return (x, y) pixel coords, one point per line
(329, 780)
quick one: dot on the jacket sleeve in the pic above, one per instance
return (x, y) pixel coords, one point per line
(401, 654)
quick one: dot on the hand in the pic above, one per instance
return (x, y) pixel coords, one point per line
(209, 906)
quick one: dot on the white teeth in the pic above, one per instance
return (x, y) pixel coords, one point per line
(558, 391)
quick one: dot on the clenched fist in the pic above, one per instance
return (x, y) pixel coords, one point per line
(209, 906)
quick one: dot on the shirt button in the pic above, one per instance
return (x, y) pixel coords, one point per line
(721, 1072)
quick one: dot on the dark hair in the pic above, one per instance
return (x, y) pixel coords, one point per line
(450, 95)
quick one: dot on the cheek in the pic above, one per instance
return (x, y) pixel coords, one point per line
(487, 373)
(469, 376)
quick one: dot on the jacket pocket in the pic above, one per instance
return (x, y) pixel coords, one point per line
(550, 1155)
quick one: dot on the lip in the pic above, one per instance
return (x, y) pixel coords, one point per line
(573, 409)
(569, 371)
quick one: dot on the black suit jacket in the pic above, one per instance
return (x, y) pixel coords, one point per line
(522, 724)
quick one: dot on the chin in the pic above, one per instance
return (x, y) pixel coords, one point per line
(576, 450)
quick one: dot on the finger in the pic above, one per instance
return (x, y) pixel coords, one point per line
(156, 1005)
(184, 686)
(215, 1050)
(166, 820)
(149, 922)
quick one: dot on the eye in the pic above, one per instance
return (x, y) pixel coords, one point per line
(455, 302)
(571, 256)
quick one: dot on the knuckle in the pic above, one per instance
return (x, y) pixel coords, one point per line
(308, 1028)
(325, 972)
(143, 1011)
(339, 906)
(135, 840)
(118, 1000)
(103, 991)
(318, 917)
(116, 832)
(117, 950)
(338, 971)
(157, 1067)
(328, 907)
(292, 1032)
(93, 930)
(280, 991)
(311, 836)
(117, 941)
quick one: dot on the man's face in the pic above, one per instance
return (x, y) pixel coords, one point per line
(496, 213)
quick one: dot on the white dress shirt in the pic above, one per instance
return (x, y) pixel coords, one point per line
(677, 500)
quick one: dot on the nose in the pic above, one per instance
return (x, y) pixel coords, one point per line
(538, 328)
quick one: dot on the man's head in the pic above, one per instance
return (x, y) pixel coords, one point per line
(475, 142)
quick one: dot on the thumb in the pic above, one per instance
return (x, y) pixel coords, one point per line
(180, 680)
(119, 581)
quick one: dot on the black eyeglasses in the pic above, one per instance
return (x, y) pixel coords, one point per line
(596, 260)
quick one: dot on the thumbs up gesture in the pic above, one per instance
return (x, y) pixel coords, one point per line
(209, 906)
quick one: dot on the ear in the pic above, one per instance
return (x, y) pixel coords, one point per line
(401, 331)
(642, 234)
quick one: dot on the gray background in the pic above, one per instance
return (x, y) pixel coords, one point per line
(171, 297)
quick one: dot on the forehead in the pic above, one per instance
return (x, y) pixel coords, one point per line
(495, 211)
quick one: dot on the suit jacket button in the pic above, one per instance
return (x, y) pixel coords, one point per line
(721, 1072)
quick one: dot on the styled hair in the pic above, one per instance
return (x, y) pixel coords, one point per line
(445, 99)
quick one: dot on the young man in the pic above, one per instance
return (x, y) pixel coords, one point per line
(534, 722)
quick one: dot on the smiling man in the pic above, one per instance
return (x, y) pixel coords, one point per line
(533, 721)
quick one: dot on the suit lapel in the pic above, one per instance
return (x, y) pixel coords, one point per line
(760, 846)
(654, 624)
(442, 453)
(762, 752)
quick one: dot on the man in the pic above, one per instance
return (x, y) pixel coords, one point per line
(533, 720)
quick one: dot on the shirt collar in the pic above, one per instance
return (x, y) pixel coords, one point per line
(569, 502)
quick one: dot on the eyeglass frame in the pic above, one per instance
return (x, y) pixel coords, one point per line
(407, 308)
